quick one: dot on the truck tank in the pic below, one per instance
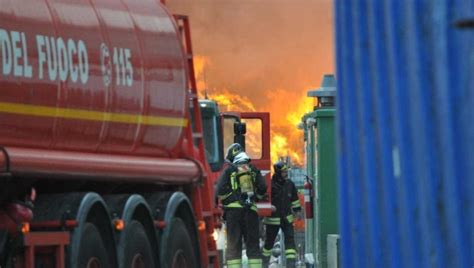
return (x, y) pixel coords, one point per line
(99, 163)
(104, 161)
(90, 85)
(102, 77)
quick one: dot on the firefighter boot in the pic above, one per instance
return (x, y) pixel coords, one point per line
(290, 258)
(265, 262)
(290, 263)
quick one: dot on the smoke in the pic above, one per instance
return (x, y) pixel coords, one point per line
(269, 52)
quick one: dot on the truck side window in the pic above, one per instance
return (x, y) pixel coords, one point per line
(209, 126)
(253, 138)
(228, 129)
(212, 133)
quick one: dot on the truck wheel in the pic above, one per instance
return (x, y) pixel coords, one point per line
(6, 251)
(135, 249)
(179, 251)
(92, 252)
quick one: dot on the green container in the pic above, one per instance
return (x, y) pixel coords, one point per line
(321, 166)
(310, 152)
(326, 186)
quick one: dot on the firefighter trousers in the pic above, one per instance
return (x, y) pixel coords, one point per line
(289, 234)
(242, 223)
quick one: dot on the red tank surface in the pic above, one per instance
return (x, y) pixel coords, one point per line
(105, 77)
(102, 145)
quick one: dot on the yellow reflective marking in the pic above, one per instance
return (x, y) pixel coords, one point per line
(47, 111)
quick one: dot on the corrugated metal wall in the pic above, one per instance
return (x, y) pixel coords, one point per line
(405, 71)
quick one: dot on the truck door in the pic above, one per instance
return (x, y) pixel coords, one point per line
(257, 144)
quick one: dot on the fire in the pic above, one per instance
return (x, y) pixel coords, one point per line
(286, 107)
(306, 105)
(253, 138)
(279, 144)
(293, 118)
(281, 148)
(271, 59)
(231, 102)
(200, 65)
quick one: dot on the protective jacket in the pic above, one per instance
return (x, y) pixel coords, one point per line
(285, 199)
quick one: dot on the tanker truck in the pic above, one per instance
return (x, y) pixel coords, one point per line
(107, 157)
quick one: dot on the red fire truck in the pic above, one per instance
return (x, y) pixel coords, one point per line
(107, 157)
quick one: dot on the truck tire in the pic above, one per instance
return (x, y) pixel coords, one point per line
(92, 252)
(135, 250)
(179, 251)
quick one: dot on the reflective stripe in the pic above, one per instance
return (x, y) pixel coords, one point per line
(290, 256)
(84, 114)
(255, 263)
(235, 204)
(290, 253)
(290, 218)
(223, 197)
(234, 263)
(296, 204)
(271, 221)
(266, 252)
(233, 181)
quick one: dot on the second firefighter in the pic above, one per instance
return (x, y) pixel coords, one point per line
(285, 200)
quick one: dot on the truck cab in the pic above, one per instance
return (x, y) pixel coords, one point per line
(251, 130)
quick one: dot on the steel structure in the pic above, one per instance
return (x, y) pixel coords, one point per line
(405, 107)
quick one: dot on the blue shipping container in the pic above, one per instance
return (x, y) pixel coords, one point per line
(405, 71)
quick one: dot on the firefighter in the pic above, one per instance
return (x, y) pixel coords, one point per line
(239, 187)
(286, 203)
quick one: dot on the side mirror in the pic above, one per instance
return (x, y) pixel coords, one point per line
(240, 129)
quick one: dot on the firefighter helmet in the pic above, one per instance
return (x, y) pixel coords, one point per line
(233, 150)
(280, 166)
(241, 158)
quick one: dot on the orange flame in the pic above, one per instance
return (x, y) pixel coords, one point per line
(200, 65)
(279, 145)
(271, 59)
(286, 108)
(230, 102)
